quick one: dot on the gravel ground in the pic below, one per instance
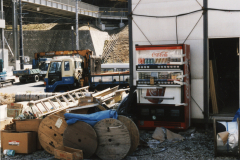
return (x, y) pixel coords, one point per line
(198, 144)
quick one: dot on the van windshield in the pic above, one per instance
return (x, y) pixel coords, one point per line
(55, 67)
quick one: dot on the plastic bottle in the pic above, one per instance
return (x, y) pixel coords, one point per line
(9, 152)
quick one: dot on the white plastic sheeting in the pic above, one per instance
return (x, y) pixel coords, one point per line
(163, 31)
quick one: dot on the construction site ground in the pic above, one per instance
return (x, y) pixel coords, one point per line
(198, 144)
(28, 87)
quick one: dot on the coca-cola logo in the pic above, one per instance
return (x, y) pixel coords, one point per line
(160, 54)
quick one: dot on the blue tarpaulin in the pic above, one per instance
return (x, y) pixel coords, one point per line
(91, 119)
(237, 115)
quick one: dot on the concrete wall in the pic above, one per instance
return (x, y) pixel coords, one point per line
(51, 40)
(98, 39)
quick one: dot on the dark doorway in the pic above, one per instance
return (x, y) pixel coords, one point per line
(224, 54)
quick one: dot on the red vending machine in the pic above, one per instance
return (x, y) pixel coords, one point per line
(162, 79)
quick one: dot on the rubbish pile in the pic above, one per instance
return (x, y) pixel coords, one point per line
(6, 98)
(72, 125)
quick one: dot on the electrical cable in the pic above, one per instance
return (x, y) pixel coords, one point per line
(142, 32)
(176, 31)
(183, 14)
(135, 7)
(197, 105)
(192, 29)
(199, 3)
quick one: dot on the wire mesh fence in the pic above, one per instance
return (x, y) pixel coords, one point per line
(116, 48)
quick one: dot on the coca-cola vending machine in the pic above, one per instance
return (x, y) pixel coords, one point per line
(162, 79)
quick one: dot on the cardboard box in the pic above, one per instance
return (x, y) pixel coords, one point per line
(29, 125)
(14, 109)
(21, 142)
(67, 153)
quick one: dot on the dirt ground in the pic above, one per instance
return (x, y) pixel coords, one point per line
(198, 144)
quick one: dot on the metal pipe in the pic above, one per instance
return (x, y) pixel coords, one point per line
(77, 44)
(205, 62)
(15, 34)
(132, 88)
(72, 37)
(130, 42)
(3, 44)
(21, 96)
(21, 34)
(9, 47)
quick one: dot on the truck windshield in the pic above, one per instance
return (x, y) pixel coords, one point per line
(77, 64)
(44, 66)
(55, 67)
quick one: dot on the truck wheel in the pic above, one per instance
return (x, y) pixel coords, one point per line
(36, 78)
(22, 80)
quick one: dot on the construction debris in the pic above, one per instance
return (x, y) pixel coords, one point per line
(162, 133)
(46, 106)
(86, 138)
(46, 118)
(66, 153)
(6, 98)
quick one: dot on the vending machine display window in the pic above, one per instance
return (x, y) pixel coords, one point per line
(162, 79)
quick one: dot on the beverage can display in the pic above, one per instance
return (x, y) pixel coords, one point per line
(139, 60)
(169, 76)
(146, 60)
(152, 61)
(163, 60)
(168, 60)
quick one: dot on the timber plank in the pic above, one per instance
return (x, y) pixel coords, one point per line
(212, 89)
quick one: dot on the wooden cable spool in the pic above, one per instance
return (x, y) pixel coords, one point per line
(113, 139)
(51, 131)
(133, 131)
(81, 135)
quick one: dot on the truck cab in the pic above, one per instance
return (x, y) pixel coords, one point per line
(44, 68)
(63, 74)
